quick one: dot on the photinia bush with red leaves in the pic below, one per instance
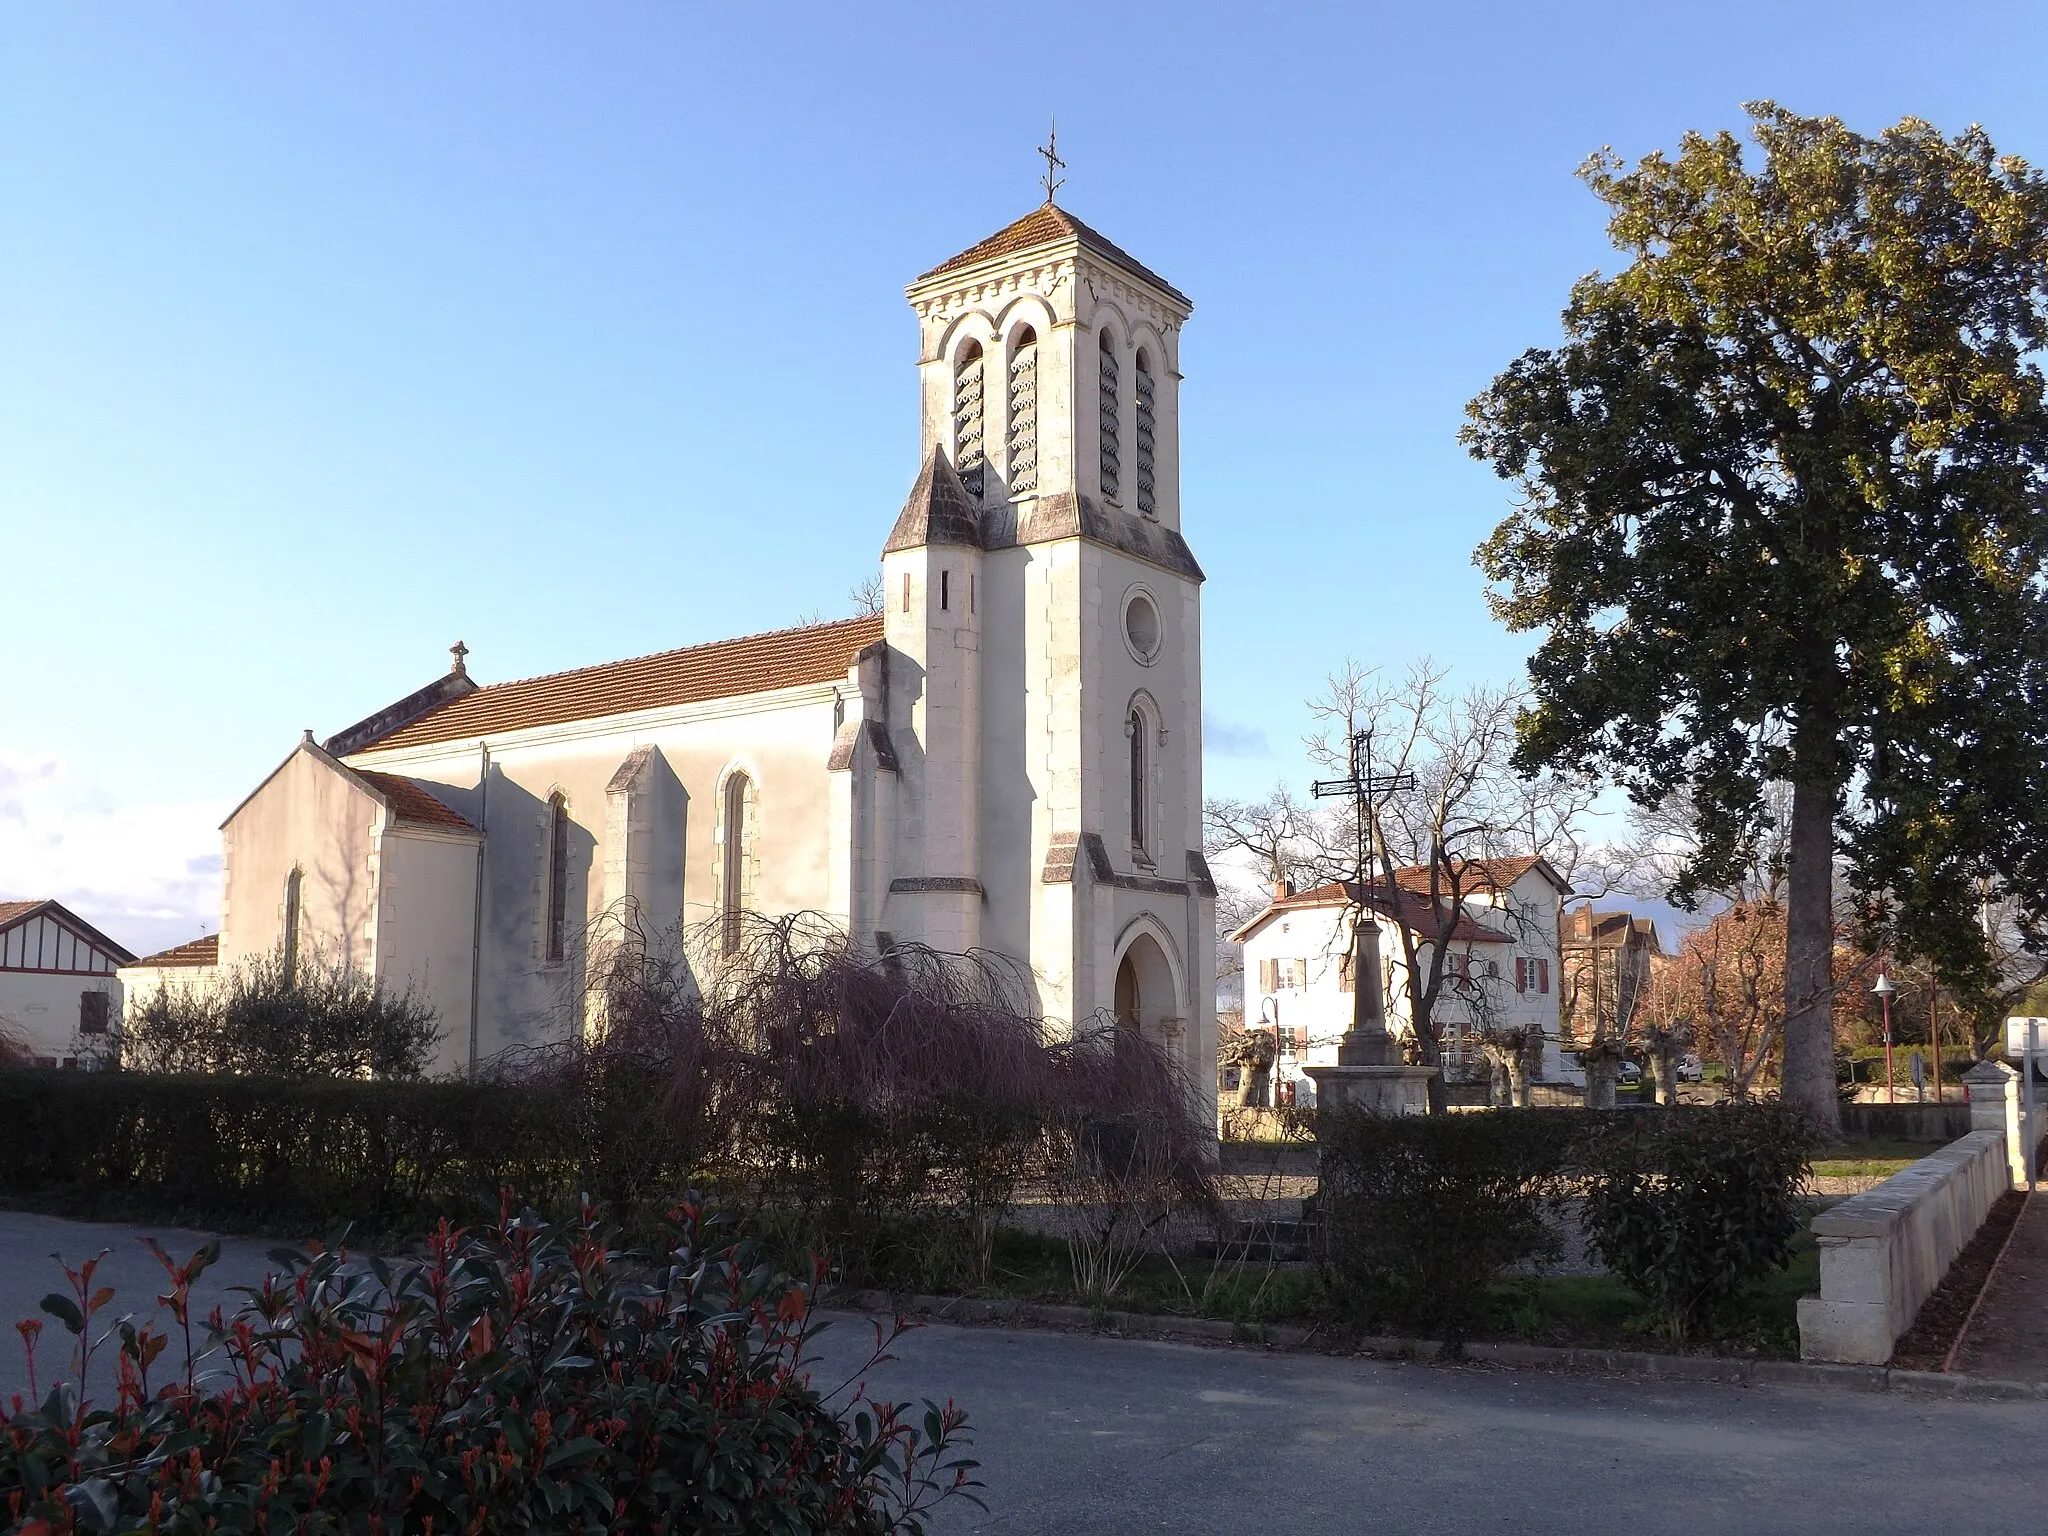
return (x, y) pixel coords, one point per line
(527, 1377)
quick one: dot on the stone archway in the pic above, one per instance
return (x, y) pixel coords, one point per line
(1147, 995)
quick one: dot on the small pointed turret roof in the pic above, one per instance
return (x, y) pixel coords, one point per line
(938, 511)
(1045, 225)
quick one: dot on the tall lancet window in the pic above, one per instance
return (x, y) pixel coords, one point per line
(1110, 414)
(733, 898)
(293, 882)
(969, 457)
(555, 938)
(1147, 426)
(1137, 725)
(1020, 452)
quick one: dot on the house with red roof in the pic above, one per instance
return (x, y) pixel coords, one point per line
(1498, 922)
(60, 991)
(1005, 758)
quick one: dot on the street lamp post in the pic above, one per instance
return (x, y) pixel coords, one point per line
(1884, 990)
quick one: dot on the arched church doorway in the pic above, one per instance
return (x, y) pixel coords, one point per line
(1146, 1000)
(1126, 1005)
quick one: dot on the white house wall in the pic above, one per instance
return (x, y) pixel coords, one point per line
(43, 1009)
(1320, 936)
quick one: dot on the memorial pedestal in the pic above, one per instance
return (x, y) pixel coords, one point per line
(1377, 1090)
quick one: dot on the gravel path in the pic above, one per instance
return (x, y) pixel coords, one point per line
(2008, 1338)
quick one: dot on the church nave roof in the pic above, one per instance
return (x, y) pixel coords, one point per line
(722, 669)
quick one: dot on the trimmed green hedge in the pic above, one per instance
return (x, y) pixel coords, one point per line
(299, 1153)
(1422, 1216)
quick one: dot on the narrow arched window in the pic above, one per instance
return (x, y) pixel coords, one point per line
(1020, 451)
(293, 882)
(733, 898)
(1147, 427)
(1137, 780)
(557, 933)
(1109, 415)
(969, 456)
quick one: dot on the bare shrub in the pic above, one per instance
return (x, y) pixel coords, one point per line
(890, 1111)
(1128, 1146)
(14, 1048)
(274, 1016)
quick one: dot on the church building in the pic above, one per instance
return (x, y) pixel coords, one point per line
(1007, 757)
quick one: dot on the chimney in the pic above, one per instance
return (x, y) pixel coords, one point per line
(1282, 888)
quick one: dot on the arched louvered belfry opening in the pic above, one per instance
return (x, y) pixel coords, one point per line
(1020, 450)
(1109, 413)
(1147, 435)
(970, 455)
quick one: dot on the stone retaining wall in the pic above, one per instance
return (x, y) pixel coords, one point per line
(1883, 1252)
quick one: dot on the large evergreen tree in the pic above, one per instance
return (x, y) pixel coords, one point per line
(1784, 516)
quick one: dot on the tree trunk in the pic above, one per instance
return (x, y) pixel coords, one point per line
(1667, 1074)
(1810, 928)
(1599, 1081)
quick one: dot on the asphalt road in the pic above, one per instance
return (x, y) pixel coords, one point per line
(1081, 1434)
(1085, 1434)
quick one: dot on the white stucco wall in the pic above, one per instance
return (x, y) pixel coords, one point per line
(304, 815)
(426, 904)
(140, 982)
(781, 740)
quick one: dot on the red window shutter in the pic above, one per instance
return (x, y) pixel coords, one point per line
(1521, 974)
(1543, 975)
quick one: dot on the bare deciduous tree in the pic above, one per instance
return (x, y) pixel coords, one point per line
(1430, 849)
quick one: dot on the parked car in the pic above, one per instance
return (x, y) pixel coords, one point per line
(1629, 1072)
(1690, 1070)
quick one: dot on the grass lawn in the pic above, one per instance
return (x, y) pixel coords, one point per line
(1598, 1311)
(1585, 1311)
(1868, 1159)
(1029, 1267)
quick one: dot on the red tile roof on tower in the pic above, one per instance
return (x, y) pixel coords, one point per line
(1043, 226)
(192, 952)
(784, 658)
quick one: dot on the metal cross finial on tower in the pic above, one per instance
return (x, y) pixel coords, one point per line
(1052, 181)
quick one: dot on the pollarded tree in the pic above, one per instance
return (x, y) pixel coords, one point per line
(1784, 516)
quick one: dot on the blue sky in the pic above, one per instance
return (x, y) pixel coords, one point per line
(330, 335)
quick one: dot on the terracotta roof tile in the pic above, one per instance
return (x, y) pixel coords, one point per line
(784, 658)
(204, 951)
(11, 911)
(1042, 226)
(411, 801)
(1492, 874)
(1415, 913)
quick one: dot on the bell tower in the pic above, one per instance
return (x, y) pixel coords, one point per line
(1043, 626)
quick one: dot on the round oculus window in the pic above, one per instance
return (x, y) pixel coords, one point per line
(1141, 626)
